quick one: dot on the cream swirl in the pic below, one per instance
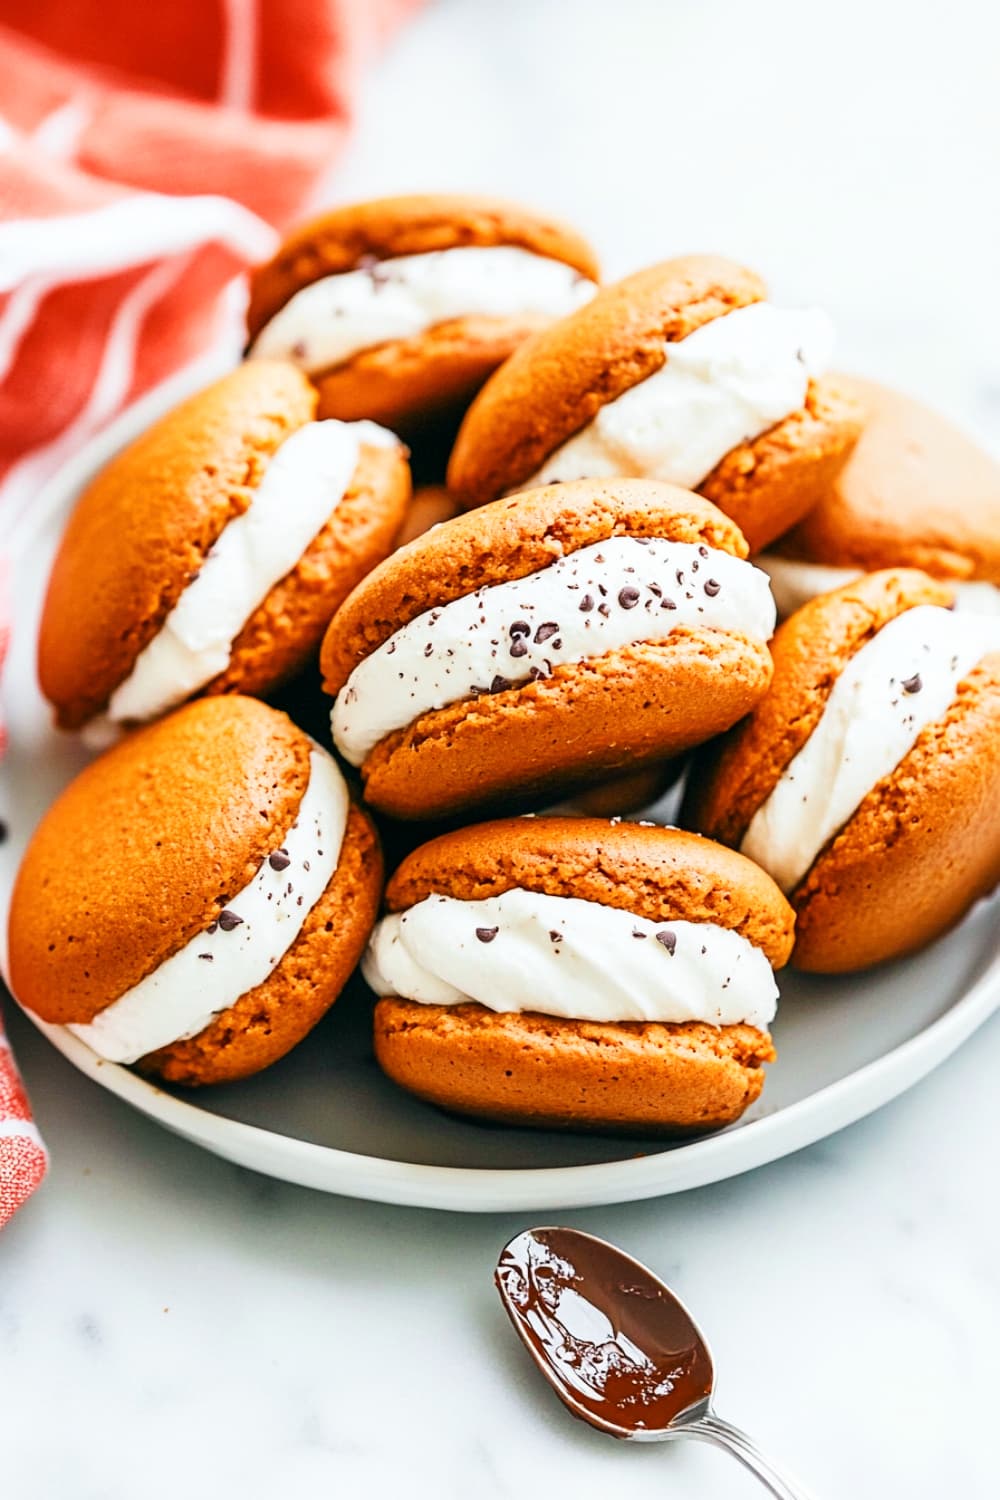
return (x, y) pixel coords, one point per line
(566, 957)
(601, 598)
(722, 385)
(900, 681)
(332, 319)
(303, 484)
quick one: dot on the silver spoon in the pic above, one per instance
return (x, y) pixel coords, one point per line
(617, 1346)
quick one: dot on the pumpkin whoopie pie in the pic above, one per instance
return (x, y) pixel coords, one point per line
(548, 639)
(579, 973)
(196, 899)
(867, 779)
(915, 493)
(401, 307)
(209, 556)
(682, 372)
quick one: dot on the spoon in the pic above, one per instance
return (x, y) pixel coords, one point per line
(620, 1350)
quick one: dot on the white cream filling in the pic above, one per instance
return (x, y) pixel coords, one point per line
(900, 681)
(212, 971)
(794, 583)
(301, 488)
(725, 384)
(332, 319)
(560, 956)
(603, 597)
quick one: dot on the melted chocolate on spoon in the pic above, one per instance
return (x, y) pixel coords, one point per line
(625, 1350)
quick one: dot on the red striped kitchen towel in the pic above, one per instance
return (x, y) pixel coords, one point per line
(147, 153)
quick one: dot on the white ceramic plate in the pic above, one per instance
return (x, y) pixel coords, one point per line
(325, 1117)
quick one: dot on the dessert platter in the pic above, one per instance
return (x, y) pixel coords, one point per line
(410, 790)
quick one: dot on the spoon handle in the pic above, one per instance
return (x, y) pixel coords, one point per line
(713, 1429)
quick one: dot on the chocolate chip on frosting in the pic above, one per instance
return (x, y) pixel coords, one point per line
(546, 631)
(912, 684)
(499, 684)
(519, 627)
(586, 603)
(628, 598)
(229, 919)
(712, 587)
(486, 934)
(518, 646)
(667, 938)
(278, 860)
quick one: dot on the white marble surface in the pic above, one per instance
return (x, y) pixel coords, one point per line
(170, 1324)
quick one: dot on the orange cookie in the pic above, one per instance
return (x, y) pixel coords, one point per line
(209, 556)
(915, 493)
(682, 372)
(400, 308)
(431, 504)
(867, 779)
(576, 973)
(196, 899)
(543, 641)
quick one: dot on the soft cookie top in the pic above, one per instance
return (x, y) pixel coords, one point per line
(196, 898)
(146, 846)
(403, 306)
(234, 502)
(916, 493)
(681, 372)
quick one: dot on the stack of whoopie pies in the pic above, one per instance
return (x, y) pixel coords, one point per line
(574, 608)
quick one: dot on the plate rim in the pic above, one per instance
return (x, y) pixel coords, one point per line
(421, 1184)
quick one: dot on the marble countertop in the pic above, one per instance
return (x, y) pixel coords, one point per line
(171, 1324)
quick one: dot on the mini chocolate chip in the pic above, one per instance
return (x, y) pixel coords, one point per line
(694, 565)
(587, 603)
(518, 646)
(628, 598)
(654, 588)
(278, 860)
(306, 865)
(555, 937)
(536, 674)
(668, 604)
(228, 919)
(599, 557)
(702, 551)
(428, 649)
(604, 609)
(637, 934)
(212, 927)
(667, 938)
(486, 934)
(712, 587)
(557, 644)
(499, 684)
(679, 575)
(546, 631)
(912, 684)
(520, 627)
(641, 541)
(208, 957)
